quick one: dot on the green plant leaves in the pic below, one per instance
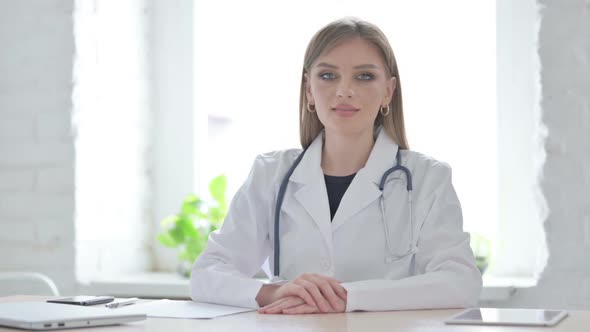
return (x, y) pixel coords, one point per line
(216, 215)
(167, 240)
(193, 249)
(190, 228)
(217, 188)
(191, 205)
(176, 233)
(481, 247)
(168, 221)
(187, 227)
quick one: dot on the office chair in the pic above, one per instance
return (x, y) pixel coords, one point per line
(26, 283)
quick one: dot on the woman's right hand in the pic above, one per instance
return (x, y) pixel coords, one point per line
(316, 290)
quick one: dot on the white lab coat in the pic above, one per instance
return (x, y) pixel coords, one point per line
(352, 248)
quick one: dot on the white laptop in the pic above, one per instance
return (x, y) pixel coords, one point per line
(54, 316)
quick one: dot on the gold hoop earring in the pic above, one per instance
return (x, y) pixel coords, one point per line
(309, 109)
(384, 110)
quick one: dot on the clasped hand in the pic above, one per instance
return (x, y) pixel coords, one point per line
(308, 293)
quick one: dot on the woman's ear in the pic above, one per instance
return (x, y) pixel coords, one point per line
(391, 86)
(307, 88)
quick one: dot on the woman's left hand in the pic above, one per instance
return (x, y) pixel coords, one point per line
(294, 305)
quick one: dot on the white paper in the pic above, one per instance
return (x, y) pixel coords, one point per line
(185, 309)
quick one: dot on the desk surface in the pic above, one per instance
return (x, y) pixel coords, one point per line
(418, 320)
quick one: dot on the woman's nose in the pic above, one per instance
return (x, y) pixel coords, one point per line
(345, 89)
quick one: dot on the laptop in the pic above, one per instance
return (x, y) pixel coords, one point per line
(54, 316)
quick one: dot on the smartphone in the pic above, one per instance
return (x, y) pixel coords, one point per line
(83, 300)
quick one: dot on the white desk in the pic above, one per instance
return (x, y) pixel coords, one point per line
(419, 320)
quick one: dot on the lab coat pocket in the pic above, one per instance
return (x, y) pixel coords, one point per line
(397, 220)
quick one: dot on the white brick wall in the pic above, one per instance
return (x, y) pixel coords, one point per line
(37, 205)
(56, 180)
(18, 153)
(564, 51)
(15, 126)
(46, 225)
(16, 180)
(36, 148)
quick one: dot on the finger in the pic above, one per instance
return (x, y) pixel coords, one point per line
(328, 293)
(281, 303)
(341, 293)
(320, 300)
(290, 303)
(336, 285)
(274, 304)
(295, 302)
(302, 309)
(298, 290)
(277, 303)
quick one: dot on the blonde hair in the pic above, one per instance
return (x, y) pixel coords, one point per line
(326, 39)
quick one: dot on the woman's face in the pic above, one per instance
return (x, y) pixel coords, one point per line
(348, 85)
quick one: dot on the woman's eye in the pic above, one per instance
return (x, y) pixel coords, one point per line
(327, 76)
(365, 77)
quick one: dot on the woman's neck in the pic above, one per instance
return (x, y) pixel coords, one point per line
(345, 154)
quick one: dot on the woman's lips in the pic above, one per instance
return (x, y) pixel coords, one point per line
(345, 110)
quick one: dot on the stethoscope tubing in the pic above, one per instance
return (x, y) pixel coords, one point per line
(279, 204)
(283, 190)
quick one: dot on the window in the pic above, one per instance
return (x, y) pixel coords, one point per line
(216, 78)
(112, 117)
(248, 67)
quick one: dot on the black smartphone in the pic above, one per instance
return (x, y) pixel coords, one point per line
(83, 300)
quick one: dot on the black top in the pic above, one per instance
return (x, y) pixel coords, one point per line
(336, 186)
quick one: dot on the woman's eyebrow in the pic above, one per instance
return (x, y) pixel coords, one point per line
(365, 66)
(327, 65)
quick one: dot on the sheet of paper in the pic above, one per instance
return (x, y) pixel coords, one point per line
(186, 309)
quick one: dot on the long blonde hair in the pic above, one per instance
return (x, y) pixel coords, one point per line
(326, 39)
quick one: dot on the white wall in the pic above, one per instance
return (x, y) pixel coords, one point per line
(74, 195)
(564, 51)
(36, 143)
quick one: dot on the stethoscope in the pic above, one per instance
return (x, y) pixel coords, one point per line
(392, 255)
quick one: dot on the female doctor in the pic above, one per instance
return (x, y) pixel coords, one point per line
(356, 221)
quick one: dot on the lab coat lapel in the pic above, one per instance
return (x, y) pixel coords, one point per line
(364, 188)
(312, 194)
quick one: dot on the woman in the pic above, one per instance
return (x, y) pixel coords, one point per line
(349, 238)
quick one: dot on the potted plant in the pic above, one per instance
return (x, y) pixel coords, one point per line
(189, 229)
